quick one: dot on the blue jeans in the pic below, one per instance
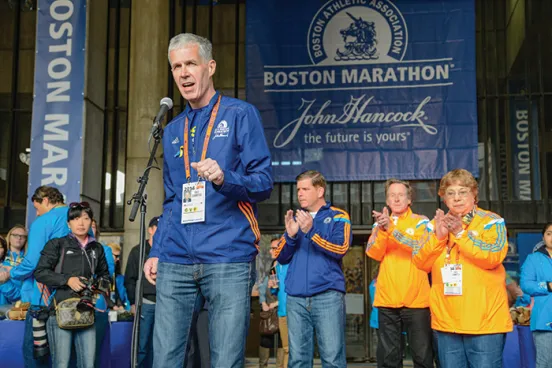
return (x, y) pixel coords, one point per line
(227, 289)
(477, 351)
(543, 347)
(324, 314)
(61, 342)
(30, 361)
(145, 347)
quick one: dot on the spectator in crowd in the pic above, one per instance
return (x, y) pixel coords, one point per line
(3, 249)
(317, 237)
(51, 223)
(133, 269)
(66, 264)
(207, 246)
(269, 303)
(536, 280)
(119, 296)
(95, 230)
(17, 245)
(102, 304)
(464, 250)
(10, 291)
(516, 296)
(278, 285)
(374, 322)
(402, 298)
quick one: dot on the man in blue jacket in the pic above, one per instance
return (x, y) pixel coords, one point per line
(216, 151)
(316, 239)
(51, 223)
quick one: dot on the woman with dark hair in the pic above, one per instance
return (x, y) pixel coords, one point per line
(536, 280)
(67, 266)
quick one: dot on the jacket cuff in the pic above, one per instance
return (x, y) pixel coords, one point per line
(310, 233)
(289, 240)
(228, 183)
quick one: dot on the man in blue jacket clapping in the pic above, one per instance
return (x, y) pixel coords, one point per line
(316, 239)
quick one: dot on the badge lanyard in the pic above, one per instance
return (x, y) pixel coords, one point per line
(205, 142)
(466, 221)
(447, 256)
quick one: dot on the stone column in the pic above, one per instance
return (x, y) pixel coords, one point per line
(94, 101)
(149, 34)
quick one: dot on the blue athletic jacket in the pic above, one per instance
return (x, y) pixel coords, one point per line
(230, 232)
(536, 273)
(315, 258)
(52, 224)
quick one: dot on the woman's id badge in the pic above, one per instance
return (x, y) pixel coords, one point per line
(452, 279)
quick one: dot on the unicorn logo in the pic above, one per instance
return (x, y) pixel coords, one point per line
(357, 33)
(362, 46)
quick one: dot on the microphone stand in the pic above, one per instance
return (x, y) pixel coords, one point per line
(139, 200)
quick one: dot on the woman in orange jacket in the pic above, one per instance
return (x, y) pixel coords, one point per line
(464, 250)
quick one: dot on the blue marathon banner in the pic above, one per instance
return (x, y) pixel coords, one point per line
(58, 106)
(524, 120)
(364, 90)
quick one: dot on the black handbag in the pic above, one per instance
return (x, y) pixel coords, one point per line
(269, 322)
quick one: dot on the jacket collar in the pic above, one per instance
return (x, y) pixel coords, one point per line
(405, 214)
(323, 208)
(90, 239)
(202, 110)
(542, 249)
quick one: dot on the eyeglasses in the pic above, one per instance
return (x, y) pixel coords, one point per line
(19, 236)
(461, 194)
(79, 204)
(117, 255)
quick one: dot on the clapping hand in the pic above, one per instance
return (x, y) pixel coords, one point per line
(382, 218)
(292, 227)
(304, 219)
(453, 223)
(441, 229)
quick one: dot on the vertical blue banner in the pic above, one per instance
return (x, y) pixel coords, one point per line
(364, 89)
(525, 149)
(58, 106)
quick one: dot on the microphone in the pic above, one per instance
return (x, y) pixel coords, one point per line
(166, 104)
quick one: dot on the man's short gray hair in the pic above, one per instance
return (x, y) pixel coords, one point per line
(184, 39)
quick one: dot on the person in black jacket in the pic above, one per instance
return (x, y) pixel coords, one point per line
(64, 266)
(133, 269)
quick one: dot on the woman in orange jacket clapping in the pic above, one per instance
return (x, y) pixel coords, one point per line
(464, 250)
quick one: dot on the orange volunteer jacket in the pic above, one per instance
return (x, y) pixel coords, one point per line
(400, 283)
(480, 248)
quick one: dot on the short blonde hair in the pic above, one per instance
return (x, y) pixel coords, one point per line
(463, 178)
(392, 181)
(8, 237)
(114, 246)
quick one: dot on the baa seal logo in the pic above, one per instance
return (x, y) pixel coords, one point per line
(365, 32)
(222, 130)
